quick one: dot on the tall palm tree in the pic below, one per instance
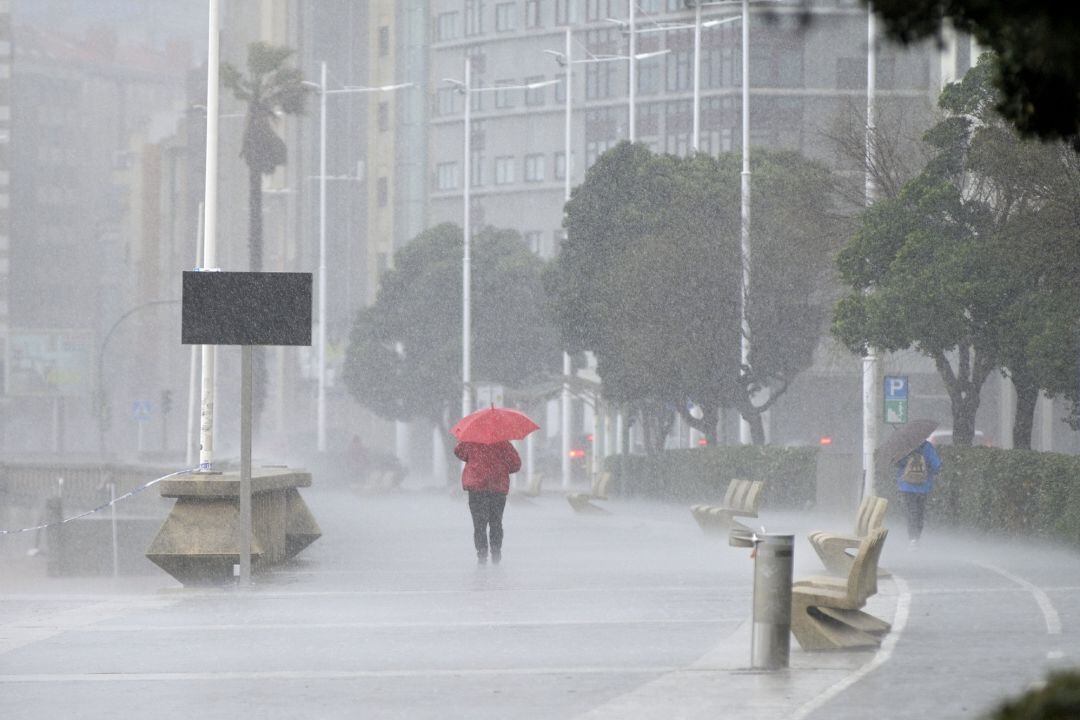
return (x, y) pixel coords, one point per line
(270, 88)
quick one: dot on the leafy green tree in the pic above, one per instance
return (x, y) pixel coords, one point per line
(1037, 59)
(404, 356)
(270, 88)
(649, 280)
(970, 264)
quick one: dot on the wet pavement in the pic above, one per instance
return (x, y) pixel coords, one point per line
(628, 615)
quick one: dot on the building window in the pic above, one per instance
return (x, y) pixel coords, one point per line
(505, 17)
(680, 68)
(474, 17)
(384, 41)
(563, 12)
(446, 26)
(476, 99)
(382, 192)
(504, 170)
(532, 13)
(446, 176)
(601, 132)
(535, 96)
(648, 120)
(598, 9)
(477, 177)
(534, 240)
(534, 168)
(599, 80)
(560, 88)
(384, 116)
(679, 126)
(648, 76)
(560, 166)
(504, 98)
(446, 101)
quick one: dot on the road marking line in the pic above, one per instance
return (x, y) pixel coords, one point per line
(325, 674)
(20, 633)
(1050, 615)
(903, 605)
(419, 625)
(1055, 655)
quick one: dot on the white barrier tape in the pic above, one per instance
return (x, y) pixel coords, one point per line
(99, 508)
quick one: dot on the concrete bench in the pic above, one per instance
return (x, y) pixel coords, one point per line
(582, 502)
(199, 541)
(835, 549)
(826, 611)
(741, 500)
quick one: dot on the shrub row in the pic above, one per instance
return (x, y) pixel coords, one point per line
(1020, 492)
(702, 474)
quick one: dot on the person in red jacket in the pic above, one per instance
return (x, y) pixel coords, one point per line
(486, 477)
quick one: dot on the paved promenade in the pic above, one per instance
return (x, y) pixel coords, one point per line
(632, 615)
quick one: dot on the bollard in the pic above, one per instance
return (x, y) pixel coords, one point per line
(770, 644)
(54, 537)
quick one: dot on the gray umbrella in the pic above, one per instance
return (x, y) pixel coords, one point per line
(906, 437)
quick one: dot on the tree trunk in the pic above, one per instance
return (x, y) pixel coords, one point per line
(757, 427)
(255, 223)
(706, 425)
(1027, 395)
(964, 386)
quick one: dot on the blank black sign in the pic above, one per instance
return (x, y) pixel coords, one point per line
(246, 308)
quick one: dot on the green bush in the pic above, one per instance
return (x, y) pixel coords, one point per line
(702, 474)
(1058, 699)
(1021, 492)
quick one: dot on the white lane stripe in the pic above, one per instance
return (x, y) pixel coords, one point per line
(1050, 615)
(967, 591)
(404, 625)
(29, 630)
(327, 674)
(903, 605)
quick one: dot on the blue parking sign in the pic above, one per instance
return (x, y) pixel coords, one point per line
(896, 387)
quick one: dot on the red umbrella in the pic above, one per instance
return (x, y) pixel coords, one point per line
(492, 425)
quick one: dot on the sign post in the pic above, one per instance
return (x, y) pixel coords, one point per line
(896, 399)
(246, 309)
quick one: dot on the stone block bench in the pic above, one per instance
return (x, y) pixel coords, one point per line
(835, 549)
(826, 611)
(198, 544)
(741, 500)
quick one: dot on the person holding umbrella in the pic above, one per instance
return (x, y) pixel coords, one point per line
(917, 466)
(484, 447)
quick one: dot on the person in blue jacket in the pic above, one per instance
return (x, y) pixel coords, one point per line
(915, 475)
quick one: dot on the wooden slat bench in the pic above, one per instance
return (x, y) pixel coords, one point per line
(826, 611)
(741, 500)
(835, 549)
(582, 502)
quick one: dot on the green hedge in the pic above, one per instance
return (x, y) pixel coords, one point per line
(702, 474)
(1021, 492)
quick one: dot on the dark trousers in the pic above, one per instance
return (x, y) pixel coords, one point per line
(915, 506)
(487, 511)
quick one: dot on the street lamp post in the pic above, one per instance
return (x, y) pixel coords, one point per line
(466, 89)
(566, 60)
(213, 63)
(320, 423)
(870, 360)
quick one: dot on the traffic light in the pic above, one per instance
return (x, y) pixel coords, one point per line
(166, 401)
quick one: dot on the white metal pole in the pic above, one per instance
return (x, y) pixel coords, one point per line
(245, 465)
(744, 344)
(213, 62)
(321, 403)
(870, 361)
(633, 70)
(466, 264)
(567, 365)
(191, 449)
(697, 76)
(115, 535)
